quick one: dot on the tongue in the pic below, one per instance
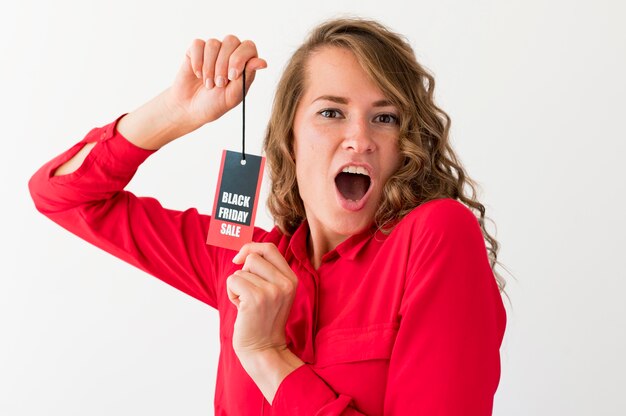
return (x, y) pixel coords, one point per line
(352, 185)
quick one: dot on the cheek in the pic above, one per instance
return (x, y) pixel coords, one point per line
(313, 151)
(392, 159)
(301, 174)
(305, 167)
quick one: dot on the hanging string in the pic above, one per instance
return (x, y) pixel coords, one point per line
(243, 121)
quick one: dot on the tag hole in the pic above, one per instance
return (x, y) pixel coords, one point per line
(243, 161)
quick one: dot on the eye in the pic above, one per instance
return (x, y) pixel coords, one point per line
(387, 119)
(329, 113)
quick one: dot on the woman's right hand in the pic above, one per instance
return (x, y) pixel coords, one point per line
(208, 83)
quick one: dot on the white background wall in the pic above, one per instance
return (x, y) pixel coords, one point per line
(535, 90)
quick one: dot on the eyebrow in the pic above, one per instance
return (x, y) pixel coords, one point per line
(343, 100)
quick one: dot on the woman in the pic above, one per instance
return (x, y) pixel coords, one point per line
(374, 293)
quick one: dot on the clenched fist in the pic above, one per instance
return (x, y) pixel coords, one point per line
(263, 292)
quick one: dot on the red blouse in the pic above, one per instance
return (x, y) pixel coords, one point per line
(405, 323)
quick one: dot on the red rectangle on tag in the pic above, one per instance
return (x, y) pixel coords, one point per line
(236, 200)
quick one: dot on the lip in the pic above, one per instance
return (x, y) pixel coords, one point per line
(347, 204)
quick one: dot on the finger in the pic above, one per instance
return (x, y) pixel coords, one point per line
(267, 251)
(234, 88)
(211, 50)
(237, 289)
(232, 296)
(229, 44)
(196, 56)
(253, 279)
(246, 52)
(259, 266)
(251, 67)
(247, 287)
(260, 289)
(186, 69)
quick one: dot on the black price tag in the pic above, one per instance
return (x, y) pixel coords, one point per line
(236, 200)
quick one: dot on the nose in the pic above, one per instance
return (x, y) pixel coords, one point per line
(358, 136)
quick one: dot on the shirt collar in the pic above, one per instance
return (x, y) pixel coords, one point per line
(347, 249)
(297, 244)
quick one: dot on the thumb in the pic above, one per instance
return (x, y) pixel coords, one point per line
(233, 297)
(251, 67)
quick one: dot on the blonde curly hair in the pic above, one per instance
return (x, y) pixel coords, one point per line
(429, 170)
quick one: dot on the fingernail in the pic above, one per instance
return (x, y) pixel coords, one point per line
(232, 74)
(208, 83)
(198, 74)
(219, 81)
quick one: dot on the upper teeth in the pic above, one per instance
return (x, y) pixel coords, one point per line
(356, 169)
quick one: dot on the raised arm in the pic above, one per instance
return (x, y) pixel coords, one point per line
(82, 189)
(201, 93)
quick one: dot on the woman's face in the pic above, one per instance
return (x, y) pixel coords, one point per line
(345, 144)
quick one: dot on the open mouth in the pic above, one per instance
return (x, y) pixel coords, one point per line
(353, 182)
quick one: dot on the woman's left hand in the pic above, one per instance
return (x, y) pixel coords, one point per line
(263, 292)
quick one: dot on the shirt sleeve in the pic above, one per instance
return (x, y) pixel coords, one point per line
(91, 203)
(445, 360)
